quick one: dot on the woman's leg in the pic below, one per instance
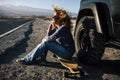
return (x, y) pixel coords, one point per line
(58, 49)
(41, 50)
(38, 53)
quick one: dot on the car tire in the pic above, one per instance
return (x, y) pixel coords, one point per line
(89, 43)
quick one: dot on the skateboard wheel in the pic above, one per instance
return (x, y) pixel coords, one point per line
(66, 74)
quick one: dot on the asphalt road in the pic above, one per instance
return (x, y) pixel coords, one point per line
(9, 24)
(107, 69)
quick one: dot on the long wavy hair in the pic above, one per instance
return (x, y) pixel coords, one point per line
(63, 17)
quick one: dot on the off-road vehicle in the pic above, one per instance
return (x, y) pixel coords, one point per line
(98, 23)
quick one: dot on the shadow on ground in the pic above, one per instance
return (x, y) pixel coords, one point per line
(96, 72)
(110, 66)
(92, 72)
(17, 49)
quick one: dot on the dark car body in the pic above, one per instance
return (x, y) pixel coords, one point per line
(98, 24)
(104, 11)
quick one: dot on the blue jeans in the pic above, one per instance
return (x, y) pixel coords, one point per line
(40, 52)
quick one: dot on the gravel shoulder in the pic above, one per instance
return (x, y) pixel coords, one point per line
(30, 37)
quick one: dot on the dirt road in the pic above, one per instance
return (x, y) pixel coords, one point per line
(108, 69)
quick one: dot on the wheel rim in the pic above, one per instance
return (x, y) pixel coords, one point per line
(84, 42)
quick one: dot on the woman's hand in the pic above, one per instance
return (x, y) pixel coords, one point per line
(54, 24)
(49, 28)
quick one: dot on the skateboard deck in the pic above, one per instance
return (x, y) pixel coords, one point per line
(71, 65)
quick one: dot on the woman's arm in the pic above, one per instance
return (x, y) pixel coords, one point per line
(52, 26)
(58, 33)
(49, 28)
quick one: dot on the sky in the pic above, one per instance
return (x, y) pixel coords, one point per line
(69, 5)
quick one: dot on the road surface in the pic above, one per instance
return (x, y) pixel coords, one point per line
(108, 69)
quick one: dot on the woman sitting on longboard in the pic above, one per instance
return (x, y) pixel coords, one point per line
(58, 40)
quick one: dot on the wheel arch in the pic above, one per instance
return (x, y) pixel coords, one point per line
(103, 22)
(104, 19)
(82, 13)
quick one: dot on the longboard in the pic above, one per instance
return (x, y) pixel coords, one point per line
(71, 65)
